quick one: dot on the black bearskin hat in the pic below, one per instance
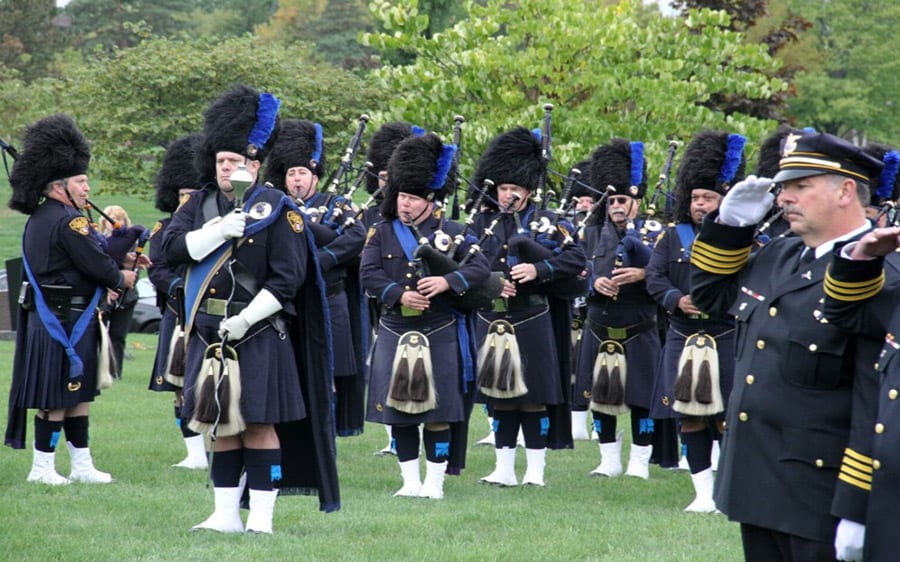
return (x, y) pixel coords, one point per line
(578, 186)
(512, 157)
(381, 146)
(770, 153)
(53, 149)
(713, 160)
(620, 164)
(299, 144)
(241, 120)
(884, 187)
(177, 172)
(419, 166)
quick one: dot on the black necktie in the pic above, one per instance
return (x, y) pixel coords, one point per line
(807, 256)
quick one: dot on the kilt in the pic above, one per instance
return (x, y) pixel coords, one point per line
(158, 382)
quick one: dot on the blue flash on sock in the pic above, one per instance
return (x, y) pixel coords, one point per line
(598, 426)
(275, 473)
(495, 424)
(442, 449)
(684, 449)
(545, 426)
(178, 422)
(646, 425)
(54, 439)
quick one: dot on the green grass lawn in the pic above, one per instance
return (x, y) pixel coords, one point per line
(148, 512)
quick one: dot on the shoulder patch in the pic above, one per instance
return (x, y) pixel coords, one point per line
(183, 200)
(156, 228)
(370, 234)
(295, 219)
(80, 225)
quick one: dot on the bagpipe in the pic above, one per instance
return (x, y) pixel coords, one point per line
(546, 154)
(650, 226)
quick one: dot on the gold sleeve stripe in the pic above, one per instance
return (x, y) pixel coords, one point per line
(710, 249)
(848, 452)
(856, 474)
(855, 483)
(850, 285)
(854, 294)
(713, 260)
(854, 464)
(715, 267)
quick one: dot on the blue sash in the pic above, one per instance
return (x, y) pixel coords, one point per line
(54, 326)
(686, 234)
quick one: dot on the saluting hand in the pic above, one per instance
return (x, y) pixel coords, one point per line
(879, 242)
(747, 202)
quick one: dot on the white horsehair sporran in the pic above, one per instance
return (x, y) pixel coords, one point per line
(217, 393)
(411, 389)
(697, 389)
(610, 376)
(500, 363)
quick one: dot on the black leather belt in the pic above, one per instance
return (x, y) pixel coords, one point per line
(621, 334)
(217, 307)
(78, 300)
(520, 302)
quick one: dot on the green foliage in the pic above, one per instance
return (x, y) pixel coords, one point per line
(29, 35)
(608, 70)
(132, 102)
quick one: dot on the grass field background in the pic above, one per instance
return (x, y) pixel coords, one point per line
(148, 512)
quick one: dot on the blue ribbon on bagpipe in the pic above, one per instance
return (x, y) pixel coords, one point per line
(409, 244)
(54, 326)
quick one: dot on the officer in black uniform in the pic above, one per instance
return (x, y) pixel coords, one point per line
(55, 365)
(253, 303)
(524, 339)
(861, 296)
(616, 363)
(794, 469)
(296, 164)
(700, 184)
(422, 362)
(177, 177)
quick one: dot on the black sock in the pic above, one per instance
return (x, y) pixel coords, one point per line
(535, 427)
(227, 467)
(699, 449)
(406, 439)
(46, 434)
(506, 428)
(437, 445)
(605, 426)
(263, 468)
(76, 429)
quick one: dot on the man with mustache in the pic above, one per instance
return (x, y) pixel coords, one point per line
(795, 467)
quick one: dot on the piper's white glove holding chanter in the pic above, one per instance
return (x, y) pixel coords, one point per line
(263, 305)
(747, 202)
(849, 540)
(200, 243)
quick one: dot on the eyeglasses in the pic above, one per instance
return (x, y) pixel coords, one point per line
(619, 200)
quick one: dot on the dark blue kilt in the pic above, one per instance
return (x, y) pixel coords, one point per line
(537, 348)
(641, 353)
(342, 336)
(447, 369)
(270, 384)
(158, 382)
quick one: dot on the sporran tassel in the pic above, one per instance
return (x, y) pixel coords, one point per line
(684, 382)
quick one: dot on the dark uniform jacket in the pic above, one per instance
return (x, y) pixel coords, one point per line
(788, 436)
(862, 297)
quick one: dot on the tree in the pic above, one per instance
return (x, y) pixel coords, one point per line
(29, 36)
(608, 70)
(109, 24)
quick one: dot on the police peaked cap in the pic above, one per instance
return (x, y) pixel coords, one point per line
(177, 172)
(296, 146)
(53, 149)
(512, 157)
(381, 146)
(412, 169)
(812, 154)
(611, 165)
(232, 123)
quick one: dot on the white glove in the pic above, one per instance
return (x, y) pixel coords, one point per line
(215, 232)
(747, 202)
(263, 305)
(849, 540)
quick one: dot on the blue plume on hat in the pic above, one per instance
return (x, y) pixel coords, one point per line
(809, 130)
(265, 120)
(445, 160)
(734, 154)
(317, 152)
(637, 162)
(888, 175)
(536, 133)
(417, 131)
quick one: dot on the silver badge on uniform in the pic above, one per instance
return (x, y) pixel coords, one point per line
(260, 210)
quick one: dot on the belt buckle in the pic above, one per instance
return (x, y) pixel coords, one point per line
(617, 333)
(500, 305)
(407, 311)
(216, 307)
